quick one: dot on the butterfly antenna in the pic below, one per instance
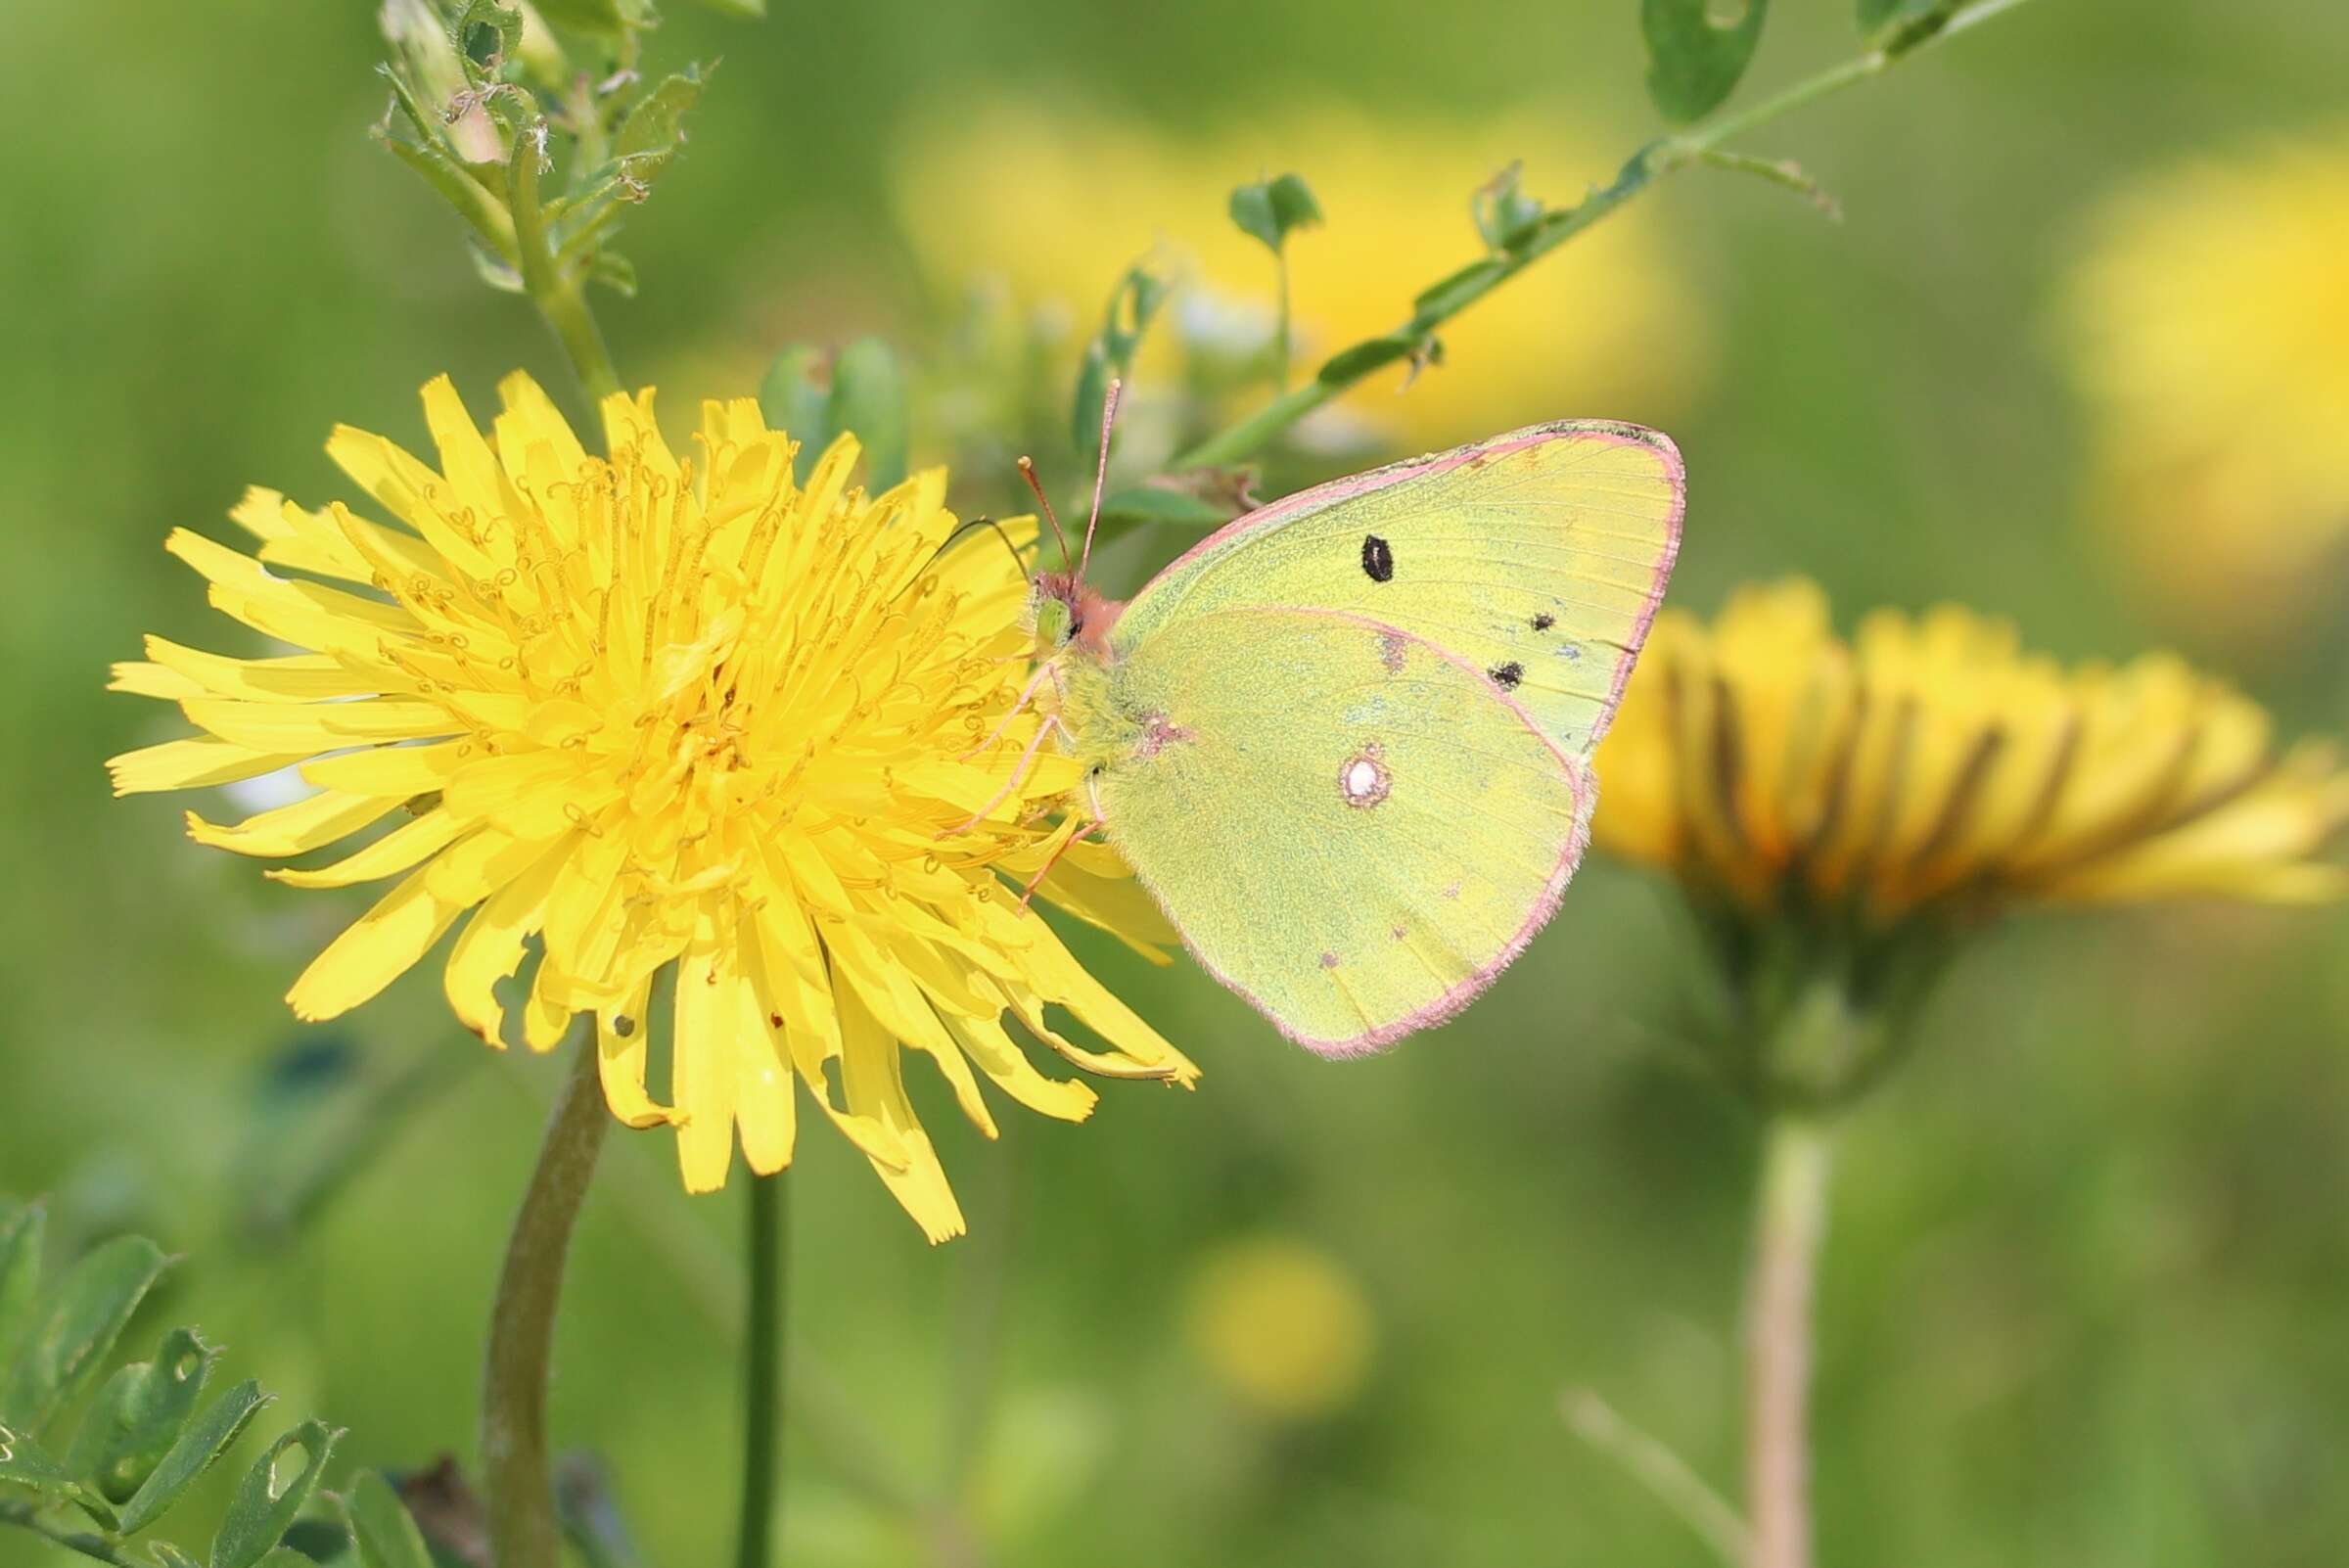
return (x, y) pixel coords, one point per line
(1028, 473)
(1109, 417)
(1017, 565)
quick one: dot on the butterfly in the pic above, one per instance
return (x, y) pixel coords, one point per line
(1346, 740)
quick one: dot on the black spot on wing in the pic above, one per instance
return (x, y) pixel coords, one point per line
(1544, 621)
(1379, 558)
(1507, 676)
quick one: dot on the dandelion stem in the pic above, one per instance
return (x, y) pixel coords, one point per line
(1790, 1221)
(1454, 294)
(522, 1326)
(559, 292)
(764, 1372)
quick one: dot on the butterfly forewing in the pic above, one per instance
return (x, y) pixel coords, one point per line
(1537, 557)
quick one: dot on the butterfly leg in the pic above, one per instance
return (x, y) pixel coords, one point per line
(1043, 672)
(1018, 773)
(1027, 892)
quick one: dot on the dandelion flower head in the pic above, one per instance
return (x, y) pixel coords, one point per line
(677, 719)
(2208, 320)
(1930, 766)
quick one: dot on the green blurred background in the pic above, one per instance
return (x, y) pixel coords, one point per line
(2084, 1300)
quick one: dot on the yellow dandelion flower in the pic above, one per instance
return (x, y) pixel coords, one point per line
(1931, 766)
(2210, 327)
(1283, 1327)
(654, 713)
(1021, 194)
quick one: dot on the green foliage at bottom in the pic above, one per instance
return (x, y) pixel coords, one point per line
(93, 1475)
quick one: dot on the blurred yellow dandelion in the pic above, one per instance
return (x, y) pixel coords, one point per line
(1931, 763)
(647, 711)
(2209, 323)
(1282, 1327)
(1021, 194)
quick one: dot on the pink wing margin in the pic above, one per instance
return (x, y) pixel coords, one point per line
(1320, 497)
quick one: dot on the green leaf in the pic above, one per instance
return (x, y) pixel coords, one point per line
(77, 1326)
(1440, 299)
(267, 1501)
(493, 269)
(139, 1414)
(487, 34)
(792, 399)
(747, 10)
(649, 138)
(1897, 26)
(166, 1555)
(21, 1229)
(1270, 209)
(615, 272)
(868, 400)
(1093, 373)
(380, 1525)
(320, 1539)
(1132, 306)
(483, 212)
(191, 1454)
(1505, 216)
(1351, 364)
(23, 1463)
(1293, 204)
(1151, 503)
(1694, 59)
(1782, 172)
(287, 1557)
(424, 125)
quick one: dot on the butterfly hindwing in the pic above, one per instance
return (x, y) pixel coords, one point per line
(1352, 827)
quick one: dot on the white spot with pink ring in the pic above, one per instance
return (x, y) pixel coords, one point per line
(1363, 781)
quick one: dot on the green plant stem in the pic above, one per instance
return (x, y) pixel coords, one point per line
(1644, 169)
(1662, 1471)
(1282, 335)
(764, 1372)
(711, 1278)
(520, 1496)
(26, 1516)
(1789, 1224)
(559, 293)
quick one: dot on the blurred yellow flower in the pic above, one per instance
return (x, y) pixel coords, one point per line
(2209, 323)
(1931, 763)
(660, 711)
(1056, 204)
(1282, 1327)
